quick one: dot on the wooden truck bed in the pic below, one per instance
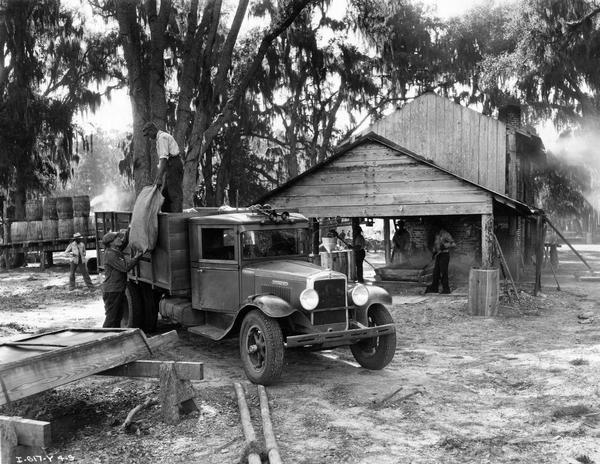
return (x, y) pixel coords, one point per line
(168, 265)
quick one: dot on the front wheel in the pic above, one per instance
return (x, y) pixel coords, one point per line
(376, 353)
(261, 348)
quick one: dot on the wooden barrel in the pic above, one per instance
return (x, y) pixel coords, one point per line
(34, 231)
(484, 291)
(64, 207)
(18, 231)
(49, 229)
(49, 208)
(65, 228)
(33, 210)
(81, 206)
(80, 224)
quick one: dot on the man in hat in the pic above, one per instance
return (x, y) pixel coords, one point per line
(401, 242)
(170, 166)
(76, 251)
(116, 266)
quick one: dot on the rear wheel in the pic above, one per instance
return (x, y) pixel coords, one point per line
(151, 298)
(261, 348)
(92, 266)
(376, 353)
(133, 309)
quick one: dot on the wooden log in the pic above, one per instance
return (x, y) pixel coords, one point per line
(253, 457)
(484, 291)
(271, 442)
(151, 368)
(29, 432)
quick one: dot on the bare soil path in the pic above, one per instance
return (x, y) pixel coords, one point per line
(520, 387)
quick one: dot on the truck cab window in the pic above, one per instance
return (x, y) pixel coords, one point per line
(218, 244)
(270, 243)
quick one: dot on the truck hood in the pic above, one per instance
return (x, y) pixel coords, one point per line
(290, 269)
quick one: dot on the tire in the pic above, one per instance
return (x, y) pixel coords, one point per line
(133, 310)
(261, 348)
(150, 299)
(376, 353)
(92, 266)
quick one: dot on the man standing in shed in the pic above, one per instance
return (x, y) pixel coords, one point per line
(170, 166)
(442, 244)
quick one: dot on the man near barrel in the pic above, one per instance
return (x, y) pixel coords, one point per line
(76, 252)
(442, 244)
(116, 266)
(170, 166)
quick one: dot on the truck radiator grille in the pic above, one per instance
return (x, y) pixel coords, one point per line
(332, 293)
(281, 292)
(329, 317)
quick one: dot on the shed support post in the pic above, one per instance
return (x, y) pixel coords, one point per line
(386, 240)
(539, 254)
(487, 240)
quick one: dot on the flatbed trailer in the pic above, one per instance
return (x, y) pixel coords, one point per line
(46, 248)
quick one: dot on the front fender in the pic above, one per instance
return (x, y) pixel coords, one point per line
(377, 295)
(271, 305)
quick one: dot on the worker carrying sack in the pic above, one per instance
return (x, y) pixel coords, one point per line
(144, 219)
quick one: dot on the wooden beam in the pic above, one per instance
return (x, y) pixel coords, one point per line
(539, 254)
(29, 432)
(386, 239)
(185, 370)
(487, 240)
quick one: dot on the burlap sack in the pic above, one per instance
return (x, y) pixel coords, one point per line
(144, 219)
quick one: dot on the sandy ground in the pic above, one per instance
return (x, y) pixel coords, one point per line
(520, 387)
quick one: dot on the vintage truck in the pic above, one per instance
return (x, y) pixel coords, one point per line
(247, 273)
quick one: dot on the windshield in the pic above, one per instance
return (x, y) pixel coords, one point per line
(277, 242)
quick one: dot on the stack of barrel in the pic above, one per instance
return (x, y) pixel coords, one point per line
(33, 213)
(81, 213)
(49, 219)
(52, 218)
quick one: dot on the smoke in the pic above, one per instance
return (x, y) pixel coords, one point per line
(582, 149)
(113, 198)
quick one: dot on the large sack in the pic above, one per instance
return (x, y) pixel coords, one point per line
(144, 219)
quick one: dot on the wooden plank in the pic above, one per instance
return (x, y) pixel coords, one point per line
(31, 375)
(360, 210)
(185, 370)
(371, 198)
(484, 291)
(29, 432)
(338, 187)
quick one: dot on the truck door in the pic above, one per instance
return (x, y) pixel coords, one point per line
(215, 268)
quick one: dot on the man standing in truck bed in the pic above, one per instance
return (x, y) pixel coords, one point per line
(116, 266)
(170, 165)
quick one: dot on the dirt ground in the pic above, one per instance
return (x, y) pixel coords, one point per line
(520, 387)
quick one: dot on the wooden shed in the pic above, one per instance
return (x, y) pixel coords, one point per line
(498, 154)
(372, 177)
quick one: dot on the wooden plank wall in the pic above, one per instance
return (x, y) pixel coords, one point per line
(373, 180)
(456, 138)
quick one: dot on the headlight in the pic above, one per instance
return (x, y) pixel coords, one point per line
(309, 299)
(360, 295)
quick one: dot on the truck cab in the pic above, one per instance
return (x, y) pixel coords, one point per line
(249, 274)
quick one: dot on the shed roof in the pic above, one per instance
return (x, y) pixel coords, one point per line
(291, 193)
